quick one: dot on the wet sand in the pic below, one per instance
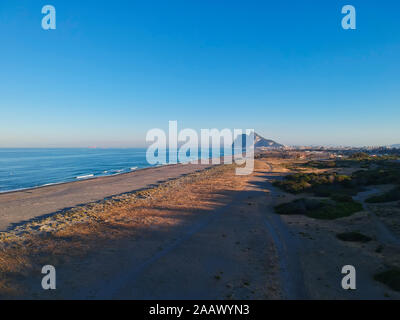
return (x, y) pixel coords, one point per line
(19, 206)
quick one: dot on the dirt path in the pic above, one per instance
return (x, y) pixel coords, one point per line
(243, 251)
(287, 245)
(224, 255)
(384, 235)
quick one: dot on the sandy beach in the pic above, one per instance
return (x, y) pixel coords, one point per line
(23, 205)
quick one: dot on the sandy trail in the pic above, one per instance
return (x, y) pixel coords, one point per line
(19, 206)
(384, 235)
(216, 258)
(287, 246)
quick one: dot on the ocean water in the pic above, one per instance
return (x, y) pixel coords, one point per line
(29, 168)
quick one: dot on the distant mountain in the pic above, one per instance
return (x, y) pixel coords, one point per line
(259, 142)
(395, 146)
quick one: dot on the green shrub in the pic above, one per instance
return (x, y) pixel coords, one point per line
(376, 176)
(303, 182)
(320, 164)
(319, 209)
(300, 206)
(293, 186)
(390, 277)
(353, 236)
(336, 210)
(359, 156)
(334, 189)
(392, 195)
(341, 197)
(329, 184)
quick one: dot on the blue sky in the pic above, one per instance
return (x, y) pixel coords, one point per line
(112, 70)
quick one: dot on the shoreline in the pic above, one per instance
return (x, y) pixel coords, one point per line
(83, 179)
(19, 206)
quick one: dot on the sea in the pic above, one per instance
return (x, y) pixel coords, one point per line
(30, 168)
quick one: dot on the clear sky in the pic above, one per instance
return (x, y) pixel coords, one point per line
(112, 70)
